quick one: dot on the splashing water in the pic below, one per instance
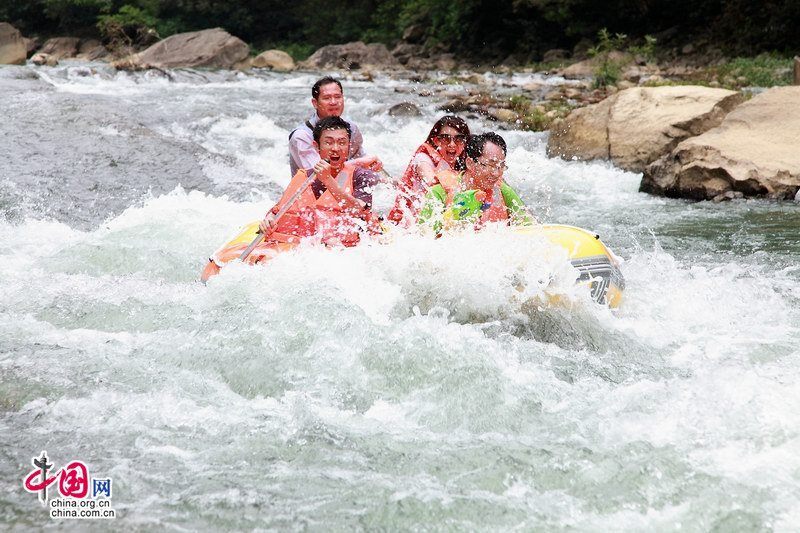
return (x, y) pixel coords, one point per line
(420, 384)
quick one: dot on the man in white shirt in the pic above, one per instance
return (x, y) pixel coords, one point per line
(328, 101)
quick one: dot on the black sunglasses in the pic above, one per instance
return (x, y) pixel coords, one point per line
(447, 139)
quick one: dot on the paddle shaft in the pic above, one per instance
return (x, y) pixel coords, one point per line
(282, 211)
(391, 179)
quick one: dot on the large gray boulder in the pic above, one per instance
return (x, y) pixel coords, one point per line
(755, 151)
(60, 47)
(274, 60)
(91, 50)
(214, 48)
(13, 50)
(352, 56)
(636, 126)
(579, 70)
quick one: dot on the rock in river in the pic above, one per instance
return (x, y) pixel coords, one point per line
(753, 151)
(636, 126)
(207, 48)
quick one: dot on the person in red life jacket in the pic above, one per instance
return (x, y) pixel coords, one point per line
(482, 195)
(436, 161)
(327, 98)
(337, 205)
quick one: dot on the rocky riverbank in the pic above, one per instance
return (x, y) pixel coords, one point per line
(672, 121)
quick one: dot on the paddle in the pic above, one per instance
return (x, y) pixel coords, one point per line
(389, 176)
(282, 211)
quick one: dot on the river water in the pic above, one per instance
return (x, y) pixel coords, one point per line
(415, 385)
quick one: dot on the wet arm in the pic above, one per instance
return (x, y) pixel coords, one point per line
(346, 201)
(518, 212)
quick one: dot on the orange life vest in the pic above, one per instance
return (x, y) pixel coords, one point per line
(308, 216)
(411, 188)
(321, 216)
(334, 226)
(497, 211)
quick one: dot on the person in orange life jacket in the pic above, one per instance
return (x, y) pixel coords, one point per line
(342, 190)
(327, 98)
(482, 195)
(437, 160)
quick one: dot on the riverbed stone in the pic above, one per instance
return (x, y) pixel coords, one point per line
(503, 115)
(277, 60)
(352, 56)
(636, 126)
(754, 151)
(405, 51)
(31, 44)
(61, 47)
(213, 48)
(12, 45)
(42, 59)
(581, 69)
(796, 70)
(556, 54)
(404, 109)
(91, 50)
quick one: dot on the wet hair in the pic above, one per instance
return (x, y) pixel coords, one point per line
(324, 81)
(476, 144)
(331, 123)
(458, 124)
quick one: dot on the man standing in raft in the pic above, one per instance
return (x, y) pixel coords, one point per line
(481, 196)
(328, 101)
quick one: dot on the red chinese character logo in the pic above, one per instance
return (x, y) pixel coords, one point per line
(40, 486)
(74, 481)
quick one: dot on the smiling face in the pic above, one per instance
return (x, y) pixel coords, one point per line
(330, 102)
(334, 146)
(449, 143)
(485, 171)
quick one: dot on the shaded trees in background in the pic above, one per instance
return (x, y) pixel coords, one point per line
(489, 29)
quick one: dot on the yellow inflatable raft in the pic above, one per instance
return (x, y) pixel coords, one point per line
(587, 253)
(597, 265)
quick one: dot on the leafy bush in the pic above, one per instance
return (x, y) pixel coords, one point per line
(608, 70)
(764, 70)
(647, 50)
(127, 25)
(482, 30)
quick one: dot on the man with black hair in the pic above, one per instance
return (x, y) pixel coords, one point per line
(327, 98)
(338, 202)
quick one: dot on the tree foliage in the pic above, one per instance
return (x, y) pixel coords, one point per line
(480, 28)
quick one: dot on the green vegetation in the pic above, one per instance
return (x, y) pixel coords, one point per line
(483, 30)
(609, 67)
(765, 70)
(537, 117)
(647, 50)
(610, 58)
(126, 26)
(762, 71)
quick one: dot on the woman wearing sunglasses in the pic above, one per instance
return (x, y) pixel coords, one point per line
(437, 161)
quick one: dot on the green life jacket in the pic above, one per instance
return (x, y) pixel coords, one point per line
(466, 207)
